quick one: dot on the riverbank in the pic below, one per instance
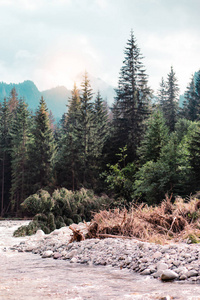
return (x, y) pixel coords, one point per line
(169, 262)
(29, 277)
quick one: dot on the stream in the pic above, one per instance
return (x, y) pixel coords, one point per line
(27, 276)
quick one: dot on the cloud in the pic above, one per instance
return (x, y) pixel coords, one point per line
(50, 40)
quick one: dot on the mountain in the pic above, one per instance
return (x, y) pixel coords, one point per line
(26, 90)
(97, 84)
(56, 98)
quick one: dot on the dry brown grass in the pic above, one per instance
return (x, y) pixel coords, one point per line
(175, 222)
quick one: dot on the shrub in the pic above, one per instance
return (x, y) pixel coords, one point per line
(41, 202)
(63, 208)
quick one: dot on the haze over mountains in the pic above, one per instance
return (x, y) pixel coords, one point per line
(56, 98)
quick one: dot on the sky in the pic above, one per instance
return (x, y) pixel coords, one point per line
(52, 41)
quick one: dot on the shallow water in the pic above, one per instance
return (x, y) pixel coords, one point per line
(28, 276)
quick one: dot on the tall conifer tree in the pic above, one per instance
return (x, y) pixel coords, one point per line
(131, 105)
(67, 162)
(42, 149)
(85, 130)
(20, 134)
(5, 156)
(170, 106)
(101, 129)
(162, 95)
(191, 107)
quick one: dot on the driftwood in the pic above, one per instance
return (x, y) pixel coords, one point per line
(104, 235)
(77, 234)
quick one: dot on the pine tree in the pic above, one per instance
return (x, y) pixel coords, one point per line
(170, 109)
(42, 150)
(131, 105)
(19, 133)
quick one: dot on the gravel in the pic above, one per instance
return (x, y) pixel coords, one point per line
(168, 262)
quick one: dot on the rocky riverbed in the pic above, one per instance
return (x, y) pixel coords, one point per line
(108, 269)
(168, 262)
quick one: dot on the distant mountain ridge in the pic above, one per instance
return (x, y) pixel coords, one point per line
(55, 98)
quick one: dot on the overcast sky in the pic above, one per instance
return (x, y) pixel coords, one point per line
(51, 41)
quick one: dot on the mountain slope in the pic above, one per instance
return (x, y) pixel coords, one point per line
(56, 98)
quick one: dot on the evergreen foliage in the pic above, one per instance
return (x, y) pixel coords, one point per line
(62, 208)
(131, 105)
(169, 99)
(20, 136)
(5, 156)
(194, 157)
(141, 151)
(67, 160)
(156, 136)
(191, 109)
(85, 131)
(41, 150)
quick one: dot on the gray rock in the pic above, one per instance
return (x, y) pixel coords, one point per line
(183, 277)
(192, 273)
(73, 260)
(168, 275)
(71, 254)
(158, 274)
(57, 255)
(162, 266)
(47, 254)
(146, 272)
(157, 254)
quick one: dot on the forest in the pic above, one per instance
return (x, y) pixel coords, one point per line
(142, 148)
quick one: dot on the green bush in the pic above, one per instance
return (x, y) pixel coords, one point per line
(63, 208)
(41, 202)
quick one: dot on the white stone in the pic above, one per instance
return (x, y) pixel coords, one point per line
(157, 254)
(47, 254)
(162, 266)
(168, 275)
(39, 233)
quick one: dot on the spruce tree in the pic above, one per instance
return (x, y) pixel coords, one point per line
(42, 150)
(131, 105)
(162, 94)
(170, 108)
(5, 156)
(156, 136)
(194, 158)
(191, 108)
(85, 131)
(67, 160)
(20, 136)
(101, 125)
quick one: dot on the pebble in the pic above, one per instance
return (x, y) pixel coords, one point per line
(168, 262)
